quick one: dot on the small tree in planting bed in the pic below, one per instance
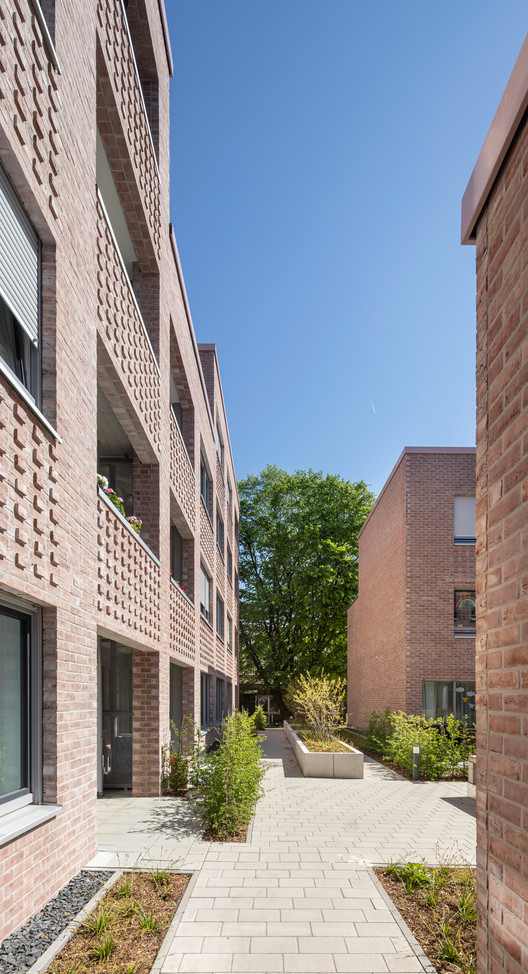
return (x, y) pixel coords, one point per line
(228, 779)
(319, 700)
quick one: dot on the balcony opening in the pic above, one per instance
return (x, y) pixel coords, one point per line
(181, 403)
(136, 484)
(181, 554)
(114, 210)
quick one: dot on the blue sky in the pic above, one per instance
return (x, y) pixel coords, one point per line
(320, 150)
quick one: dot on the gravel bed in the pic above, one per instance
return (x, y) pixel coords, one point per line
(20, 951)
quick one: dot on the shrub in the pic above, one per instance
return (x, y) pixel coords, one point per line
(444, 747)
(320, 700)
(379, 730)
(228, 778)
(261, 721)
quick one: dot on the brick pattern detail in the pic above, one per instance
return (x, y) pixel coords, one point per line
(182, 624)
(207, 644)
(29, 94)
(128, 580)
(123, 334)
(29, 494)
(126, 90)
(183, 481)
(207, 538)
(400, 628)
(502, 568)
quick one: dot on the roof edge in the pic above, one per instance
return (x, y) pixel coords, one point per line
(496, 144)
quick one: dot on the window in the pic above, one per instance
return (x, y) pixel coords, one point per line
(205, 485)
(19, 710)
(229, 493)
(220, 447)
(204, 700)
(175, 403)
(228, 634)
(220, 533)
(229, 564)
(465, 519)
(443, 697)
(176, 554)
(219, 617)
(219, 700)
(19, 291)
(229, 701)
(464, 614)
(205, 594)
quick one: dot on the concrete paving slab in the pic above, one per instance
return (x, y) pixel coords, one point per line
(299, 896)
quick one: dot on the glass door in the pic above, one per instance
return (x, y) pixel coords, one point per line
(116, 715)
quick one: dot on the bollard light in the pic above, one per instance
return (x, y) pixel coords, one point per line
(416, 762)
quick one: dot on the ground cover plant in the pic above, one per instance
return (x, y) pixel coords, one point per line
(125, 932)
(439, 906)
(315, 744)
(445, 745)
(227, 778)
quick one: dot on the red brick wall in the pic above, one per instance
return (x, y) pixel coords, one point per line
(61, 547)
(400, 629)
(502, 568)
(376, 620)
(435, 568)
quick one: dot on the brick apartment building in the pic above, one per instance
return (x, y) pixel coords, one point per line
(104, 635)
(495, 219)
(411, 630)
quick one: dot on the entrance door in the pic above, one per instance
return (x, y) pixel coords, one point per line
(116, 714)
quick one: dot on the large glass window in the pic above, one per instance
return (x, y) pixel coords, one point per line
(15, 682)
(464, 612)
(204, 699)
(219, 617)
(220, 532)
(205, 594)
(205, 485)
(443, 697)
(219, 700)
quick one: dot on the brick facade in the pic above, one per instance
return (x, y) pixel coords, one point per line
(494, 214)
(67, 558)
(400, 628)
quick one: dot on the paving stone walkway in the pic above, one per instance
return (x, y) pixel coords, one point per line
(299, 896)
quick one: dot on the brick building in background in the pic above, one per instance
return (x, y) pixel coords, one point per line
(104, 635)
(411, 630)
(495, 218)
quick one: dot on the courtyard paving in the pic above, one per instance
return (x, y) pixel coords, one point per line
(299, 896)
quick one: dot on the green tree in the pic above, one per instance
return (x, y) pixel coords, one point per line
(298, 574)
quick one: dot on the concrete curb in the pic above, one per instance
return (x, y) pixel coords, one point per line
(50, 954)
(166, 945)
(411, 939)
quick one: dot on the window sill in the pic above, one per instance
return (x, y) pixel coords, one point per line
(465, 635)
(15, 824)
(466, 541)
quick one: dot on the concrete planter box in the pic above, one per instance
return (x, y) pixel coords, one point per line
(325, 764)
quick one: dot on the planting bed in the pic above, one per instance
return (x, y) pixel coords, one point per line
(325, 764)
(438, 905)
(125, 932)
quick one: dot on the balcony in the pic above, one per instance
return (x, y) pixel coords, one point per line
(123, 332)
(183, 481)
(128, 590)
(182, 624)
(120, 94)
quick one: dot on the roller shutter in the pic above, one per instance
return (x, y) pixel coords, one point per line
(465, 518)
(19, 261)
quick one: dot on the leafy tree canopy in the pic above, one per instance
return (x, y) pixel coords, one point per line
(298, 574)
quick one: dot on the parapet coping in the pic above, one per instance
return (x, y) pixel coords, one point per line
(502, 131)
(409, 450)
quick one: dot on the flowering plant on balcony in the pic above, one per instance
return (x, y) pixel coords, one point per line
(179, 584)
(135, 522)
(118, 502)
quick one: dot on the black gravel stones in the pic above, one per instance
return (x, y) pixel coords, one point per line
(23, 948)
